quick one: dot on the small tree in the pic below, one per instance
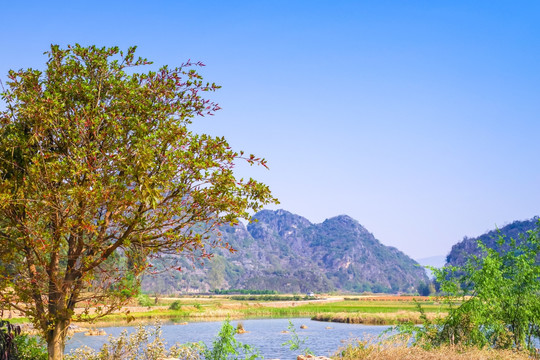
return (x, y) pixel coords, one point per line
(493, 299)
(98, 172)
(424, 289)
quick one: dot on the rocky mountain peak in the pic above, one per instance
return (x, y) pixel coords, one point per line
(276, 223)
(286, 252)
(344, 222)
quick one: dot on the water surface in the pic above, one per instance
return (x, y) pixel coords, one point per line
(263, 334)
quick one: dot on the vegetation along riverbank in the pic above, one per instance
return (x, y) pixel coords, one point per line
(380, 310)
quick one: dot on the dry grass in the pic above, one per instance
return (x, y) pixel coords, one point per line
(376, 318)
(217, 314)
(393, 351)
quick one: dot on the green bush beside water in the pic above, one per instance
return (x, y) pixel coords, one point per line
(144, 300)
(17, 346)
(31, 348)
(499, 305)
(175, 305)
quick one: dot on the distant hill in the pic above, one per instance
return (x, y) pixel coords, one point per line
(285, 252)
(469, 246)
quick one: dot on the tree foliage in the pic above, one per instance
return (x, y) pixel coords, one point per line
(99, 171)
(424, 289)
(493, 299)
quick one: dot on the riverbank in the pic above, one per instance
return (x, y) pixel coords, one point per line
(372, 309)
(398, 351)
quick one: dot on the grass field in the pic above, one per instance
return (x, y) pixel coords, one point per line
(368, 310)
(373, 310)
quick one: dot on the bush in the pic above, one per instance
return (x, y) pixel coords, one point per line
(493, 299)
(225, 346)
(144, 300)
(144, 343)
(8, 334)
(423, 289)
(296, 342)
(147, 344)
(176, 305)
(17, 346)
(31, 348)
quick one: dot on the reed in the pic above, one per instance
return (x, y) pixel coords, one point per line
(376, 318)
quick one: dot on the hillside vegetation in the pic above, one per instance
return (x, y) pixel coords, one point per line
(469, 246)
(285, 252)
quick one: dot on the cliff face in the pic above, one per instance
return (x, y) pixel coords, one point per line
(469, 246)
(285, 252)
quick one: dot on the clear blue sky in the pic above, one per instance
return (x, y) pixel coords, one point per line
(420, 119)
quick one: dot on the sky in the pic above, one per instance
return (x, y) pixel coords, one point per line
(419, 119)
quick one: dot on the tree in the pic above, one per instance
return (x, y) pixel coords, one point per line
(424, 289)
(493, 299)
(99, 171)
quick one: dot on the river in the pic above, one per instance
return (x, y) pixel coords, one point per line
(266, 335)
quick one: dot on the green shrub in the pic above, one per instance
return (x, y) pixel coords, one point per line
(225, 346)
(176, 305)
(492, 300)
(8, 334)
(147, 344)
(144, 300)
(144, 343)
(424, 289)
(296, 342)
(31, 347)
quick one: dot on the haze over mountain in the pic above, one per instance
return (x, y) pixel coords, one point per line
(285, 252)
(437, 261)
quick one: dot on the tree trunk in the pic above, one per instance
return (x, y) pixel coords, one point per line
(56, 340)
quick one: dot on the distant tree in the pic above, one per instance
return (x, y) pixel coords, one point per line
(99, 171)
(424, 289)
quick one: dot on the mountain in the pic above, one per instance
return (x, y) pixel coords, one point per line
(469, 246)
(285, 252)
